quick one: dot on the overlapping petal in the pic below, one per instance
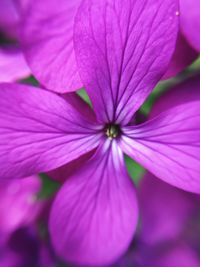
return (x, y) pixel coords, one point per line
(183, 56)
(48, 43)
(183, 92)
(123, 54)
(190, 23)
(40, 131)
(165, 210)
(19, 197)
(169, 145)
(64, 172)
(95, 214)
(22, 249)
(9, 17)
(12, 65)
(80, 105)
(176, 255)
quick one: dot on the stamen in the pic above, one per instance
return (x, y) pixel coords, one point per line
(112, 131)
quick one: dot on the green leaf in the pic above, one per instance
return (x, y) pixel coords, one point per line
(134, 169)
(49, 187)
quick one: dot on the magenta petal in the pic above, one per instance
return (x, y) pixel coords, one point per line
(183, 56)
(184, 92)
(40, 131)
(190, 22)
(46, 257)
(80, 105)
(9, 17)
(123, 54)
(22, 5)
(169, 145)
(48, 42)
(64, 172)
(19, 205)
(165, 210)
(12, 65)
(176, 256)
(94, 216)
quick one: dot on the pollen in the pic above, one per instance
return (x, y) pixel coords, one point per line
(112, 131)
(177, 13)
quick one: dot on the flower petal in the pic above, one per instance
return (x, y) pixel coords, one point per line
(123, 54)
(19, 196)
(190, 23)
(40, 131)
(48, 43)
(169, 145)
(12, 65)
(180, 255)
(165, 210)
(9, 18)
(21, 249)
(80, 105)
(94, 216)
(183, 56)
(22, 5)
(64, 172)
(184, 92)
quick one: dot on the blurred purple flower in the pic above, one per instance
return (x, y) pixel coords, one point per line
(20, 250)
(9, 18)
(25, 249)
(120, 58)
(188, 43)
(12, 63)
(20, 210)
(163, 240)
(183, 56)
(190, 23)
(19, 196)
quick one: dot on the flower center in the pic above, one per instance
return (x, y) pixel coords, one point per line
(112, 131)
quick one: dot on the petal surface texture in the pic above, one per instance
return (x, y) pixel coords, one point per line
(94, 216)
(48, 43)
(123, 54)
(190, 23)
(12, 65)
(40, 131)
(169, 145)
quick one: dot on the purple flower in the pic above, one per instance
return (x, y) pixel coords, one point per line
(24, 249)
(119, 58)
(12, 63)
(19, 196)
(188, 42)
(9, 18)
(190, 24)
(20, 250)
(167, 236)
(20, 210)
(183, 56)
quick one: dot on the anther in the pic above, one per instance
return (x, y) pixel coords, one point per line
(112, 131)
